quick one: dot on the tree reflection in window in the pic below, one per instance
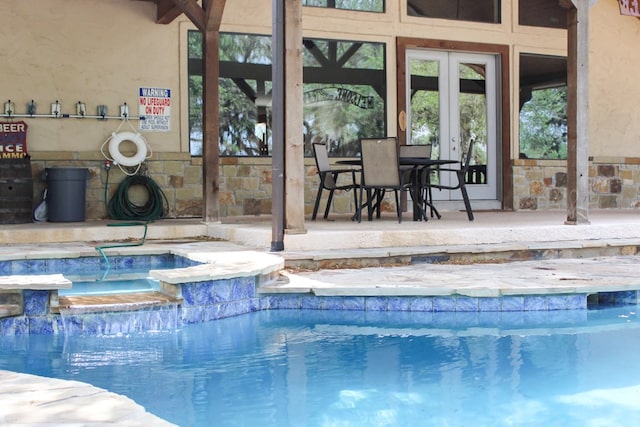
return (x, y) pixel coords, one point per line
(543, 107)
(344, 94)
(360, 5)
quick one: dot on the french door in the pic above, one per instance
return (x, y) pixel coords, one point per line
(451, 99)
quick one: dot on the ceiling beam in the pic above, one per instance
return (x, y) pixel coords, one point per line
(213, 13)
(193, 11)
(166, 12)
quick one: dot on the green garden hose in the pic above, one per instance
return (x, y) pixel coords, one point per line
(121, 245)
(120, 207)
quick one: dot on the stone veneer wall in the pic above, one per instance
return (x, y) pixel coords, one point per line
(245, 185)
(614, 183)
(245, 188)
(177, 174)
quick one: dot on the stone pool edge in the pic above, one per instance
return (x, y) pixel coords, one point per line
(231, 283)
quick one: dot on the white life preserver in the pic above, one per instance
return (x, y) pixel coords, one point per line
(119, 158)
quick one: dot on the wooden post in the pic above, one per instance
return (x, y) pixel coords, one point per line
(578, 113)
(210, 122)
(207, 18)
(288, 145)
(293, 112)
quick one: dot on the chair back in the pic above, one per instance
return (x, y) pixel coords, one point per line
(380, 167)
(422, 150)
(321, 154)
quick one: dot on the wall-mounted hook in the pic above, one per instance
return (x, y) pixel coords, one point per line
(31, 108)
(56, 108)
(124, 111)
(102, 112)
(9, 108)
(81, 109)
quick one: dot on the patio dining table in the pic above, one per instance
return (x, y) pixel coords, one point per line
(420, 166)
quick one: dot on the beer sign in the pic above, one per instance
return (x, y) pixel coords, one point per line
(13, 140)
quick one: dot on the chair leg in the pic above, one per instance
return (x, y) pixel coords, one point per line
(317, 204)
(465, 197)
(429, 203)
(359, 207)
(398, 206)
(379, 197)
(371, 205)
(329, 200)
(355, 198)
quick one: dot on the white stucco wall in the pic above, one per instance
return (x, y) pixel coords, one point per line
(103, 51)
(615, 83)
(97, 52)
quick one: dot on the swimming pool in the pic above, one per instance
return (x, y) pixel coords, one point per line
(352, 368)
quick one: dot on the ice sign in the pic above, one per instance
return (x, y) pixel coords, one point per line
(155, 107)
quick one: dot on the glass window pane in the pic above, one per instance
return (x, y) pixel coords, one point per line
(460, 10)
(542, 13)
(425, 104)
(344, 94)
(473, 111)
(360, 5)
(543, 107)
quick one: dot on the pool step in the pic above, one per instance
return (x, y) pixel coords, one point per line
(115, 302)
(458, 254)
(124, 285)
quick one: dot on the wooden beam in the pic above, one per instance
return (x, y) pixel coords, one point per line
(213, 13)
(166, 12)
(193, 11)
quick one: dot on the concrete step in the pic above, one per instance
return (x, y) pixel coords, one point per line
(458, 254)
(81, 304)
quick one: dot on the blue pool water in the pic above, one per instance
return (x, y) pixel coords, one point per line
(95, 276)
(336, 368)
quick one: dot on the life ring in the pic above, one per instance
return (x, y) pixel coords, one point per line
(121, 159)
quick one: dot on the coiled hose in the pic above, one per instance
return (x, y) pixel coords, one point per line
(120, 207)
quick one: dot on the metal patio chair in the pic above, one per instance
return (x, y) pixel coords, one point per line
(461, 175)
(380, 173)
(329, 178)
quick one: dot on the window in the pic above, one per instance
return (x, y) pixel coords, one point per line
(361, 5)
(344, 94)
(542, 13)
(543, 107)
(460, 10)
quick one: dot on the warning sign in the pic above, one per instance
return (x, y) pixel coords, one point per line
(13, 140)
(155, 107)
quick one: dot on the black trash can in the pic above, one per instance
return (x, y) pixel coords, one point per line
(66, 194)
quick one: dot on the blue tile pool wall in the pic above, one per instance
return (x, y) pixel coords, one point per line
(205, 301)
(93, 263)
(211, 300)
(459, 304)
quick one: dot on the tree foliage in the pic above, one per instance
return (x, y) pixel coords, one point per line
(339, 123)
(362, 5)
(543, 124)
